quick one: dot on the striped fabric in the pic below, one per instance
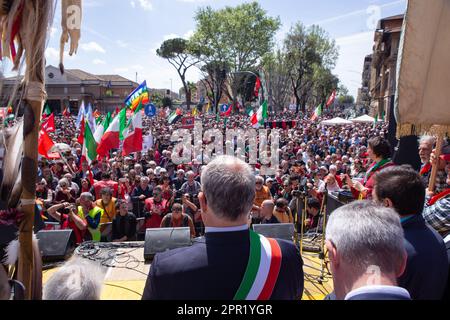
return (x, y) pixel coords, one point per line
(438, 216)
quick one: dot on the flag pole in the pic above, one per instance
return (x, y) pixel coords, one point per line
(35, 96)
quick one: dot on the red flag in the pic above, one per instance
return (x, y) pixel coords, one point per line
(274, 124)
(49, 124)
(227, 113)
(284, 125)
(45, 143)
(81, 136)
(257, 87)
(331, 99)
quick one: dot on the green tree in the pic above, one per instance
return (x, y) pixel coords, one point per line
(276, 72)
(182, 55)
(309, 52)
(237, 37)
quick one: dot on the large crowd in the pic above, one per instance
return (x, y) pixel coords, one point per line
(118, 198)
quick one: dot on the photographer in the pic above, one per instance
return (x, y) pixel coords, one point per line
(69, 218)
(155, 208)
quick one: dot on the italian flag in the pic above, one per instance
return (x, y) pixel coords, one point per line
(258, 118)
(263, 269)
(111, 137)
(89, 145)
(133, 139)
(317, 113)
(102, 127)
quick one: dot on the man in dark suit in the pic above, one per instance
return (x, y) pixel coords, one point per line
(366, 252)
(214, 267)
(402, 189)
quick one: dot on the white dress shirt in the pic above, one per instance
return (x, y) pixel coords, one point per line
(226, 229)
(380, 290)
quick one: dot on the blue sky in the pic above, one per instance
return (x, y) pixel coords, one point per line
(121, 36)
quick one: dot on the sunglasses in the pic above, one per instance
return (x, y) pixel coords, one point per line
(176, 210)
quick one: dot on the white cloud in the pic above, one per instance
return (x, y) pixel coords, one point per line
(352, 51)
(98, 61)
(92, 47)
(145, 4)
(188, 34)
(52, 54)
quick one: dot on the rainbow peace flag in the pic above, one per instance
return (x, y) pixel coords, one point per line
(139, 95)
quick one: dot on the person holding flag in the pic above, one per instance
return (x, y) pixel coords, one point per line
(132, 136)
(258, 119)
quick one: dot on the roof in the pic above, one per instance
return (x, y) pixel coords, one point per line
(396, 17)
(391, 18)
(83, 75)
(113, 78)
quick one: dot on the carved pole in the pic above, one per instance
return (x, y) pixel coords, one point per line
(34, 100)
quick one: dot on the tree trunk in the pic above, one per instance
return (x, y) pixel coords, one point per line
(188, 100)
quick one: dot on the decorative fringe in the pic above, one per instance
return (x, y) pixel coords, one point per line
(408, 129)
(13, 250)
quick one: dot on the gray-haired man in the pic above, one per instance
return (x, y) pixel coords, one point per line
(366, 252)
(215, 268)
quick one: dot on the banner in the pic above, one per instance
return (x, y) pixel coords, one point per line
(188, 122)
(423, 95)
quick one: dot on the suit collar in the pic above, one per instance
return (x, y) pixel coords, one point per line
(226, 238)
(413, 221)
(379, 292)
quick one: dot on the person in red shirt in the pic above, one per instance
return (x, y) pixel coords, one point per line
(106, 182)
(67, 215)
(155, 208)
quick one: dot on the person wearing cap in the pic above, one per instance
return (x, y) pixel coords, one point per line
(273, 187)
(191, 186)
(437, 208)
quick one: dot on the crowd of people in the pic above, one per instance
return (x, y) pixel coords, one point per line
(118, 198)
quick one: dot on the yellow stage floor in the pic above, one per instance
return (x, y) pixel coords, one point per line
(127, 282)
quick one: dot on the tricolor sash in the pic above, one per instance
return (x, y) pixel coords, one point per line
(375, 167)
(262, 270)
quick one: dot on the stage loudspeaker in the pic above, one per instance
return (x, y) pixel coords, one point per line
(165, 239)
(333, 203)
(55, 245)
(283, 231)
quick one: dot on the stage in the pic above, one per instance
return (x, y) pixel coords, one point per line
(125, 272)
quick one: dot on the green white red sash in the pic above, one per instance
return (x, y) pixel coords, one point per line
(262, 270)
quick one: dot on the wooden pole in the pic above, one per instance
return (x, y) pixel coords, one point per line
(439, 144)
(34, 101)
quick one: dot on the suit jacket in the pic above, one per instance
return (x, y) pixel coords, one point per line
(213, 269)
(427, 268)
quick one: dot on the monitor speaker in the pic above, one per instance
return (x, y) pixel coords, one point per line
(55, 245)
(164, 239)
(283, 231)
